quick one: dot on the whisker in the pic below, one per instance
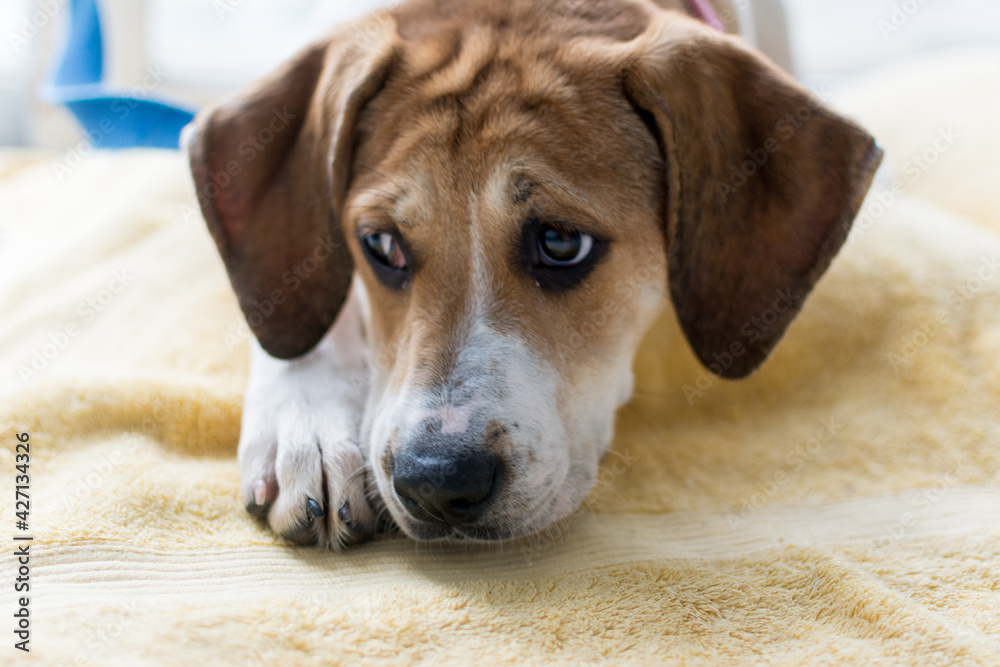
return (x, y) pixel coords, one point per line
(390, 195)
(363, 470)
(369, 208)
(575, 194)
(401, 189)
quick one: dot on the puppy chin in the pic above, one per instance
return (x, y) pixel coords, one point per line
(487, 532)
(423, 531)
(465, 535)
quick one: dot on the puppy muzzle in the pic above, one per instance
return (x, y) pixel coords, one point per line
(453, 486)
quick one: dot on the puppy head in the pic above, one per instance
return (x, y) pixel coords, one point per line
(515, 203)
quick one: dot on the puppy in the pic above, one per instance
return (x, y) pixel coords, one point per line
(450, 224)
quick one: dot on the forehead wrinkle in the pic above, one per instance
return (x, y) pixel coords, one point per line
(490, 84)
(522, 122)
(477, 50)
(413, 164)
(521, 181)
(365, 200)
(402, 209)
(578, 197)
(542, 77)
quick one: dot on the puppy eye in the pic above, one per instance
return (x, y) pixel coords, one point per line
(385, 249)
(563, 247)
(557, 256)
(387, 255)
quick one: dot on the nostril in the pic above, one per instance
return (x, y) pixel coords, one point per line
(469, 503)
(461, 506)
(443, 489)
(410, 503)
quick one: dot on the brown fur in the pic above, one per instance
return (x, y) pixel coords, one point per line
(453, 124)
(614, 114)
(504, 120)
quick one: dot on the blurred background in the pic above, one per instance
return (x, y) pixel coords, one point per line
(199, 50)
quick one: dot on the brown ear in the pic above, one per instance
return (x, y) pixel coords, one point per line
(763, 185)
(271, 167)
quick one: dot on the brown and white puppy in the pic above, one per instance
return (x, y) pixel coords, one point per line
(420, 212)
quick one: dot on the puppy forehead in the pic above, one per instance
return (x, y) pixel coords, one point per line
(417, 192)
(488, 103)
(595, 161)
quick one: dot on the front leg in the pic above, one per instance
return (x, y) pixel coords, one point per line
(302, 468)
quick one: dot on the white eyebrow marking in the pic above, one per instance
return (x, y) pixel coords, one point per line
(494, 203)
(480, 271)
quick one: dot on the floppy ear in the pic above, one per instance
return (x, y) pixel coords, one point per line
(271, 168)
(763, 184)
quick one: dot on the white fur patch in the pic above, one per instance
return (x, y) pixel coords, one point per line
(454, 420)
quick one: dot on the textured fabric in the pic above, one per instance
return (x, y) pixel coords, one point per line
(842, 505)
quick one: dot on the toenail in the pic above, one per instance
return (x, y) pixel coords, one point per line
(345, 513)
(313, 509)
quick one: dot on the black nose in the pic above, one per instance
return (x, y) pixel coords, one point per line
(452, 490)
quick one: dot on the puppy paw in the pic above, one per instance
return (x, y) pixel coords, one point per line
(304, 475)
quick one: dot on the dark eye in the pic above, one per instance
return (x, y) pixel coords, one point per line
(563, 247)
(385, 248)
(559, 257)
(388, 258)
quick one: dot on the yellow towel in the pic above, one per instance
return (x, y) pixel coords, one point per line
(842, 505)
